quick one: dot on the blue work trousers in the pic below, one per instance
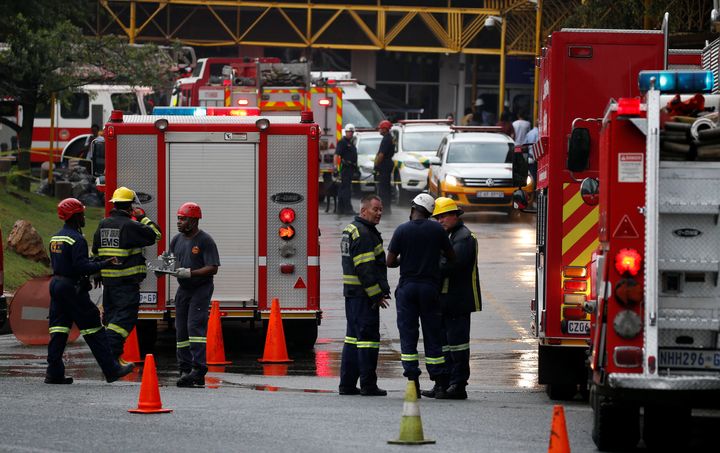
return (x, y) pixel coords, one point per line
(191, 321)
(457, 347)
(418, 301)
(120, 313)
(362, 343)
(68, 305)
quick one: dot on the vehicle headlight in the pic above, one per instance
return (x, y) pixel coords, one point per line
(627, 324)
(453, 180)
(415, 165)
(529, 180)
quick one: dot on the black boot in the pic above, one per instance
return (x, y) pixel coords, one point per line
(123, 370)
(373, 391)
(193, 379)
(437, 388)
(58, 380)
(454, 392)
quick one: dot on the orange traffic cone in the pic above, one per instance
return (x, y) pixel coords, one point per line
(149, 402)
(215, 350)
(275, 348)
(131, 350)
(558, 432)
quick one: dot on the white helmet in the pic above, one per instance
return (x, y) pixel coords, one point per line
(350, 127)
(425, 201)
(479, 102)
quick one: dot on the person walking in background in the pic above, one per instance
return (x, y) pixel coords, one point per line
(366, 289)
(384, 164)
(522, 127)
(347, 152)
(416, 247)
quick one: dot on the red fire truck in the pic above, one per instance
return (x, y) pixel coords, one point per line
(655, 312)
(256, 181)
(579, 71)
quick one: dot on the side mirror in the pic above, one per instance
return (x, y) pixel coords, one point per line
(579, 150)
(434, 160)
(590, 191)
(520, 199)
(519, 169)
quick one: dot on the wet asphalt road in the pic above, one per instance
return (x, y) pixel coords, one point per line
(247, 406)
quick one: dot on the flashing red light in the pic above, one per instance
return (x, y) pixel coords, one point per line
(287, 215)
(325, 102)
(109, 132)
(577, 286)
(243, 102)
(286, 232)
(628, 106)
(628, 261)
(227, 82)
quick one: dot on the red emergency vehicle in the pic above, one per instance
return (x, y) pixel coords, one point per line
(579, 71)
(655, 313)
(256, 181)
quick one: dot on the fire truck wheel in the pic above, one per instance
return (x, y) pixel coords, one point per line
(561, 392)
(615, 426)
(147, 335)
(658, 421)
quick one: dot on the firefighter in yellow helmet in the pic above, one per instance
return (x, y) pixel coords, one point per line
(459, 297)
(123, 234)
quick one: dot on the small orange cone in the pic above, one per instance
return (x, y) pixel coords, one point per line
(215, 347)
(149, 402)
(558, 432)
(275, 348)
(131, 350)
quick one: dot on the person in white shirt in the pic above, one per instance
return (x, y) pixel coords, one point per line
(521, 127)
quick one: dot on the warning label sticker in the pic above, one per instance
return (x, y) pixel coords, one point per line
(630, 167)
(625, 229)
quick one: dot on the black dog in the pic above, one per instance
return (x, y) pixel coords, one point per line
(331, 192)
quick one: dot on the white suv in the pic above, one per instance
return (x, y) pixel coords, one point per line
(417, 141)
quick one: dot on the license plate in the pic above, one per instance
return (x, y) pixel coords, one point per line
(148, 298)
(578, 327)
(490, 194)
(690, 359)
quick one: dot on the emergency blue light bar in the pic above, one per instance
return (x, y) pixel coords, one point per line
(180, 111)
(687, 81)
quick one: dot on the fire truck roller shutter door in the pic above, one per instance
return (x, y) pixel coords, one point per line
(220, 177)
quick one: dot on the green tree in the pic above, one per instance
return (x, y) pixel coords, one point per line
(46, 53)
(618, 14)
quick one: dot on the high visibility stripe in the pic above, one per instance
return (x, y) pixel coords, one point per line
(409, 357)
(378, 250)
(59, 329)
(580, 229)
(91, 330)
(351, 280)
(352, 229)
(363, 258)
(198, 339)
(368, 344)
(586, 255)
(350, 340)
(183, 344)
(446, 285)
(570, 206)
(135, 270)
(373, 290)
(112, 251)
(148, 222)
(434, 360)
(474, 277)
(66, 239)
(446, 348)
(459, 347)
(118, 330)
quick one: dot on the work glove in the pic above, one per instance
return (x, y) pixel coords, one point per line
(183, 272)
(138, 213)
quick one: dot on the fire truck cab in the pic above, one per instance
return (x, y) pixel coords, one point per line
(256, 181)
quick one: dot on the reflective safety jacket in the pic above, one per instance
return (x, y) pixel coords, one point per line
(69, 255)
(460, 291)
(121, 236)
(363, 261)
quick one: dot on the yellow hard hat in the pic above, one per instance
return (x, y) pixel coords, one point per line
(444, 205)
(122, 194)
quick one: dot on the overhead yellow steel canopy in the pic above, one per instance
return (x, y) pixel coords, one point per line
(359, 25)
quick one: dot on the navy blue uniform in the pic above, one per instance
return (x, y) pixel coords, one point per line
(348, 155)
(385, 170)
(121, 236)
(419, 244)
(70, 303)
(192, 299)
(364, 285)
(459, 297)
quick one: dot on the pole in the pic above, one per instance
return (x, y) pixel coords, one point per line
(538, 32)
(52, 140)
(133, 17)
(501, 94)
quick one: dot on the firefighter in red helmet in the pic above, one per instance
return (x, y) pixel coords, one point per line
(69, 299)
(384, 164)
(197, 256)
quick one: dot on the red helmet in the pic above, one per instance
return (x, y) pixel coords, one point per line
(191, 210)
(69, 207)
(385, 124)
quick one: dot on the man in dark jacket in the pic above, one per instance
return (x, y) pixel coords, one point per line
(366, 289)
(123, 234)
(347, 152)
(459, 296)
(384, 164)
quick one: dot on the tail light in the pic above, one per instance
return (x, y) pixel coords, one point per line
(286, 232)
(628, 356)
(287, 268)
(243, 102)
(652, 364)
(628, 261)
(287, 215)
(628, 292)
(574, 312)
(575, 286)
(574, 272)
(325, 102)
(109, 132)
(627, 324)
